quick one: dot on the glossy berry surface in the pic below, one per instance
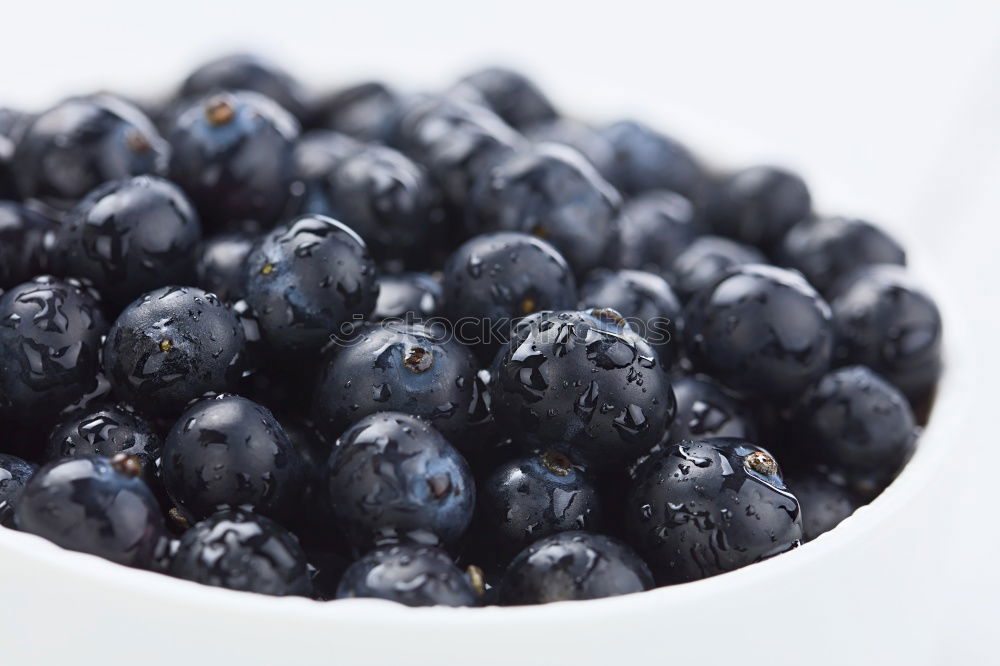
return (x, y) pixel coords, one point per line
(130, 236)
(14, 474)
(221, 263)
(305, 280)
(240, 550)
(364, 110)
(316, 157)
(394, 366)
(67, 502)
(825, 500)
(758, 205)
(655, 227)
(550, 191)
(706, 260)
(706, 409)
(760, 329)
(408, 296)
(22, 251)
(573, 566)
(171, 346)
(226, 451)
(11, 122)
(232, 155)
(392, 477)
(512, 95)
(82, 142)
(584, 380)
(703, 507)
(588, 140)
(645, 160)
(50, 339)
(886, 321)
(107, 431)
(244, 71)
(407, 574)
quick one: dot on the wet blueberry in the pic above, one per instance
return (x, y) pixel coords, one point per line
(408, 574)
(240, 550)
(220, 265)
(94, 505)
(655, 228)
(408, 296)
(107, 431)
(645, 160)
(50, 339)
(173, 345)
(550, 191)
(392, 477)
(244, 71)
(758, 205)
(512, 96)
(22, 251)
(128, 237)
(317, 156)
(762, 330)
(572, 566)
(583, 380)
(232, 154)
(14, 474)
(825, 500)
(305, 280)
(707, 259)
(589, 141)
(226, 451)
(82, 142)
(706, 409)
(364, 111)
(703, 507)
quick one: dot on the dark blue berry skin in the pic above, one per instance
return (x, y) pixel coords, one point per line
(244, 71)
(22, 251)
(93, 505)
(883, 319)
(240, 550)
(826, 249)
(550, 191)
(588, 140)
(364, 111)
(220, 265)
(226, 451)
(585, 381)
(512, 96)
(655, 228)
(50, 340)
(762, 330)
(82, 142)
(407, 574)
(825, 500)
(317, 156)
(531, 497)
(14, 474)
(706, 260)
(645, 300)
(11, 123)
(408, 296)
(393, 478)
(171, 346)
(573, 566)
(233, 156)
(129, 237)
(495, 278)
(645, 160)
(305, 280)
(705, 409)
(758, 205)
(393, 366)
(105, 432)
(703, 507)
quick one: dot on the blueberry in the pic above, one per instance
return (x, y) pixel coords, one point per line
(408, 296)
(826, 249)
(493, 279)
(645, 300)
(130, 236)
(50, 339)
(226, 451)
(94, 505)
(106, 431)
(393, 366)
(233, 156)
(14, 474)
(244, 71)
(758, 205)
(655, 228)
(82, 142)
(407, 574)
(552, 192)
(760, 329)
(589, 141)
(392, 477)
(825, 500)
(11, 124)
(883, 319)
(645, 160)
(171, 346)
(585, 381)
(703, 507)
(240, 550)
(705, 409)
(22, 251)
(220, 265)
(364, 111)
(572, 566)
(531, 497)
(305, 280)
(512, 95)
(707, 259)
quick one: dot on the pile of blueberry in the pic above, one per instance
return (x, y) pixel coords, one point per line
(449, 348)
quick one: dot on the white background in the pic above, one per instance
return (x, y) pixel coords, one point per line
(890, 108)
